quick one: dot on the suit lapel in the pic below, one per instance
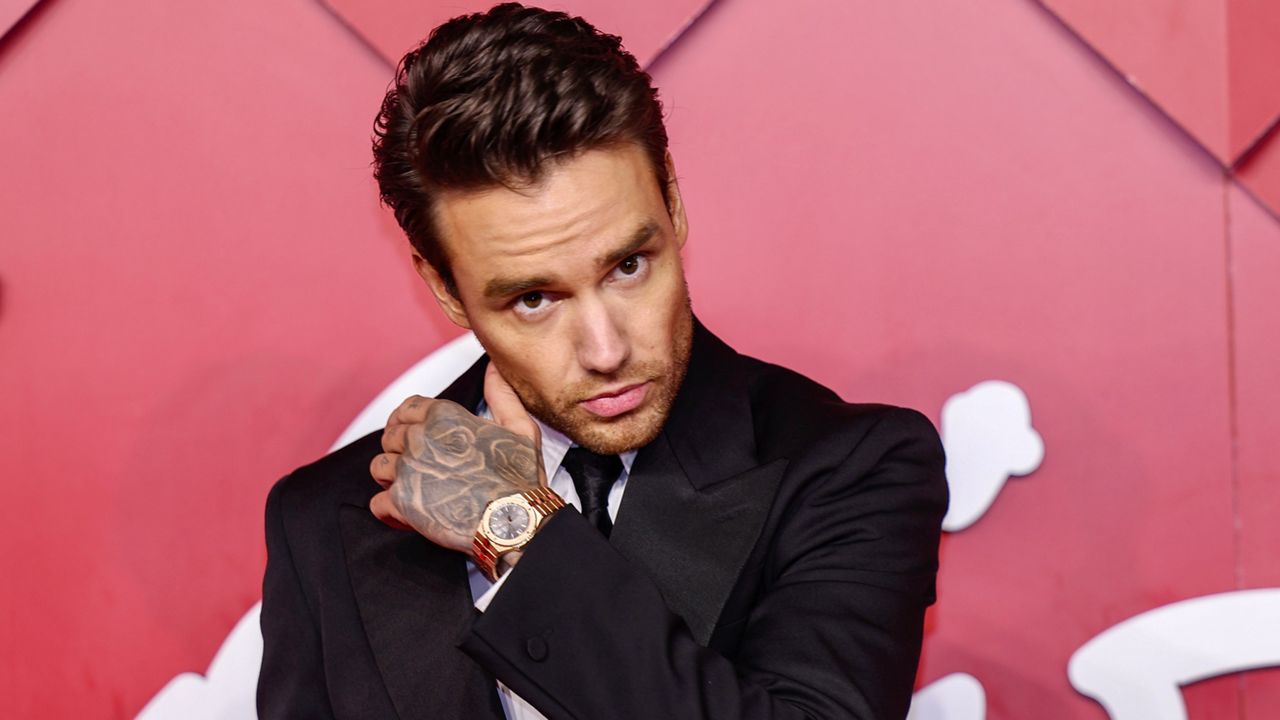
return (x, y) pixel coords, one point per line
(698, 495)
(415, 603)
(693, 542)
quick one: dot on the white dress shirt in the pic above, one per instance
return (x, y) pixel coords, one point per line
(554, 447)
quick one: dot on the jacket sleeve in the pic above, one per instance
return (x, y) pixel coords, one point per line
(291, 683)
(834, 633)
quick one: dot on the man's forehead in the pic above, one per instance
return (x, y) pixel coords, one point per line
(589, 208)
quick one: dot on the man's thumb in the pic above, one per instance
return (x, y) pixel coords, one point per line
(505, 406)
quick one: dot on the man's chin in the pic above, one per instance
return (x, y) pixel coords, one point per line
(615, 441)
(611, 436)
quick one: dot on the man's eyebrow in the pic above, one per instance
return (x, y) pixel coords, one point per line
(637, 241)
(505, 287)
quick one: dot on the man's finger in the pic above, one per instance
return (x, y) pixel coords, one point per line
(412, 410)
(386, 511)
(383, 469)
(506, 407)
(393, 438)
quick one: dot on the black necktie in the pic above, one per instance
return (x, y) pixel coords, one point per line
(593, 475)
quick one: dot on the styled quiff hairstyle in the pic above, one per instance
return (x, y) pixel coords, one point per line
(492, 98)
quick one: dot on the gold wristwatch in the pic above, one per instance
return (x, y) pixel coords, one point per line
(509, 523)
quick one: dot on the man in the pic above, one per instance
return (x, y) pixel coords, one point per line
(749, 546)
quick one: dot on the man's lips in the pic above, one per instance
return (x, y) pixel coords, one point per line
(613, 403)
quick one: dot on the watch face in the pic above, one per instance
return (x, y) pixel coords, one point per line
(508, 521)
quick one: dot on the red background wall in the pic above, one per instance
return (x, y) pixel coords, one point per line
(198, 292)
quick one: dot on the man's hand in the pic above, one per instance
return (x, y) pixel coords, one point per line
(442, 465)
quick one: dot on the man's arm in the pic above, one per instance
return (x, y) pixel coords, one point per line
(835, 633)
(291, 683)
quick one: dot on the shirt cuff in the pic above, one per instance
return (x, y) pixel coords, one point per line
(482, 602)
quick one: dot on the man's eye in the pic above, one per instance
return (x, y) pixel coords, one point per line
(632, 267)
(532, 304)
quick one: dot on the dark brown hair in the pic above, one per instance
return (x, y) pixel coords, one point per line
(490, 98)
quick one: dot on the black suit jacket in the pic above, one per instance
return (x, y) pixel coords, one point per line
(772, 558)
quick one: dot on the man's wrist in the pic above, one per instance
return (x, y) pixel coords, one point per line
(508, 524)
(508, 561)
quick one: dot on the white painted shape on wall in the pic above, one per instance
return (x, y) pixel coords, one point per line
(1136, 669)
(226, 690)
(988, 436)
(958, 696)
(429, 376)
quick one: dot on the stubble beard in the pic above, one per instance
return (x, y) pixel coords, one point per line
(631, 430)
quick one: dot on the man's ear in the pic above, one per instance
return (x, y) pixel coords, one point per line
(447, 301)
(675, 205)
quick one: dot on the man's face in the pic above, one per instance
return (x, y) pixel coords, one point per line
(576, 289)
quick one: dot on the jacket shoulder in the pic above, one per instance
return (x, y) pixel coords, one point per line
(875, 470)
(794, 414)
(341, 477)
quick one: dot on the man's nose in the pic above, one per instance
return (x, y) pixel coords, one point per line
(602, 341)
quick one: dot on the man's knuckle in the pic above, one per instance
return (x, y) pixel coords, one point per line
(402, 467)
(446, 409)
(400, 493)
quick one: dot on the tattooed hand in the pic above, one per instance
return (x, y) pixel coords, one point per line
(442, 465)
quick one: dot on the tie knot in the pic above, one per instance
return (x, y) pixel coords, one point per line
(593, 476)
(581, 462)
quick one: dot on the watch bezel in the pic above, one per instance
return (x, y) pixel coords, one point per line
(525, 535)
